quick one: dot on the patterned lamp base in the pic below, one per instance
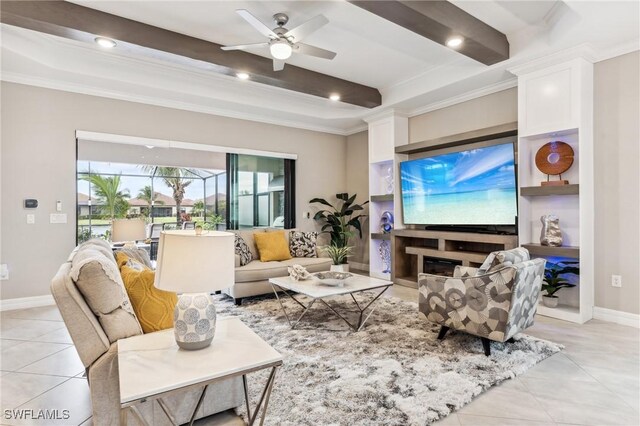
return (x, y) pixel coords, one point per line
(194, 320)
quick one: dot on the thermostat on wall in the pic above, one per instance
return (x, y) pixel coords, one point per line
(30, 203)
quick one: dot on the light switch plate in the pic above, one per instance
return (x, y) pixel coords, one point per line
(58, 218)
(31, 219)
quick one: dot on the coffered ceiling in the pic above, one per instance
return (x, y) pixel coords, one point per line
(409, 70)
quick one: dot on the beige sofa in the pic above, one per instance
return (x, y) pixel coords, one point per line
(100, 358)
(252, 279)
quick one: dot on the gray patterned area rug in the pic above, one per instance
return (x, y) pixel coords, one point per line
(392, 372)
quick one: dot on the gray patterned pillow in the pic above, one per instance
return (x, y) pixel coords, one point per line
(499, 259)
(303, 244)
(242, 250)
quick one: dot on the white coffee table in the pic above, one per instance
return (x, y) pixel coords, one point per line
(152, 366)
(313, 289)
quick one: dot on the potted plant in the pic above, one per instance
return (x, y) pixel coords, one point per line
(211, 223)
(554, 280)
(340, 223)
(338, 257)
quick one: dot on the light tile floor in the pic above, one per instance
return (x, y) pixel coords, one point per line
(594, 381)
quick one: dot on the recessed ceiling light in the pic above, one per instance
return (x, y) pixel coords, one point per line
(454, 42)
(242, 75)
(107, 43)
(334, 97)
(150, 146)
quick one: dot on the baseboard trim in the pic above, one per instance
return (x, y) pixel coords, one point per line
(26, 302)
(618, 317)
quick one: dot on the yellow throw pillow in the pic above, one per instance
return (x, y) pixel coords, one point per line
(272, 246)
(153, 307)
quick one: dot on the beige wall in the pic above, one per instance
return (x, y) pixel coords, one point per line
(617, 157)
(486, 111)
(358, 183)
(38, 161)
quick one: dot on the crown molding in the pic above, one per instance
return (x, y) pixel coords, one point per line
(357, 129)
(385, 113)
(583, 51)
(619, 50)
(18, 78)
(167, 143)
(478, 93)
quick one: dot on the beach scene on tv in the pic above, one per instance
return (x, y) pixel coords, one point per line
(474, 187)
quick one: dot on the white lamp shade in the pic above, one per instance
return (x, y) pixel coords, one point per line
(128, 230)
(190, 263)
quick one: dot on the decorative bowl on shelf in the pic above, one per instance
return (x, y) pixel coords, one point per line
(332, 278)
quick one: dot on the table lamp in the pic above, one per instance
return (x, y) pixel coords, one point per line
(128, 231)
(194, 266)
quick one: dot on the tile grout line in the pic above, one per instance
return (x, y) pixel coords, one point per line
(38, 360)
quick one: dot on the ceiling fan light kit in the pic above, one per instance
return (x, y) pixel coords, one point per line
(280, 49)
(283, 42)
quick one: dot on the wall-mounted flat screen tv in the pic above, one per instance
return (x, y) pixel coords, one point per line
(475, 187)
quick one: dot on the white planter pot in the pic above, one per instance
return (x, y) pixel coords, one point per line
(340, 268)
(550, 302)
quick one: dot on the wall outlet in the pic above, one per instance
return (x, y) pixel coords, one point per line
(31, 219)
(4, 272)
(616, 281)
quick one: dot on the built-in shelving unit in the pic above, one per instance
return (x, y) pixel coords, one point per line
(570, 252)
(382, 198)
(545, 191)
(412, 246)
(380, 236)
(555, 103)
(386, 132)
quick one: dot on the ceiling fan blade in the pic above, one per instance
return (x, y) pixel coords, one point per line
(244, 46)
(257, 24)
(307, 49)
(278, 65)
(301, 31)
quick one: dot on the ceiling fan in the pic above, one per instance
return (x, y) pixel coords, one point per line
(283, 42)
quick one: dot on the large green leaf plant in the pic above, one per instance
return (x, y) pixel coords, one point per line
(341, 222)
(554, 277)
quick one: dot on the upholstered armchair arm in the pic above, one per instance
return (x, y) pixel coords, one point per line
(526, 291)
(464, 271)
(478, 305)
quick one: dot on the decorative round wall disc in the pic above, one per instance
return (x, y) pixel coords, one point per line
(554, 158)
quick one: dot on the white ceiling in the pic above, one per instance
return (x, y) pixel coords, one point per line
(410, 71)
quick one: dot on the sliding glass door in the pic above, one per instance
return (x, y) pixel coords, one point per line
(256, 191)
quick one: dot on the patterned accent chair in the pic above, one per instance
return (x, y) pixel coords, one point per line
(493, 302)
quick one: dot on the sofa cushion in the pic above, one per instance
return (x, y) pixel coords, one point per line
(303, 244)
(242, 250)
(247, 236)
(499, 259)
(260, 271)
(140, 255)
(272, 246)
(153, 307)
(312, 264)
(97, 277)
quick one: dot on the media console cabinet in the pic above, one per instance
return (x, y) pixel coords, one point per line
(410, 247)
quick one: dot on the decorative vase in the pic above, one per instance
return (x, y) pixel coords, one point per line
(550, 235)
(385, 254)
(550, 301)
(340, 268)
(389, 180)
(386, 222)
